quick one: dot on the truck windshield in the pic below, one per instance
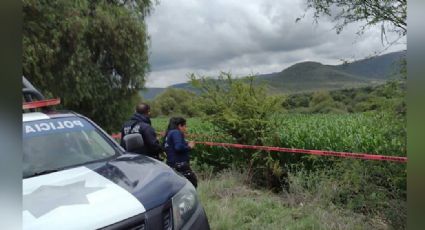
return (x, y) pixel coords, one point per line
(50, 145)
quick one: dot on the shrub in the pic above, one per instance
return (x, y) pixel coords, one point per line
(245, 113)
(175, 102)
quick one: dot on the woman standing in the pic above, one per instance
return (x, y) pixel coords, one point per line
(177, 148)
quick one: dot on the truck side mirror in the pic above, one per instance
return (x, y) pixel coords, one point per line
(133, 141)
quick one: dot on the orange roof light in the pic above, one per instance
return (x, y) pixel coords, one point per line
(40, 104)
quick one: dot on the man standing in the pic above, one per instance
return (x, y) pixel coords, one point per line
(140, 123)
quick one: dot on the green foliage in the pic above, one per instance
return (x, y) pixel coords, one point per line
(391, 13)
(237, 108)
(175, 102)
(349, 187)
(322, 102)
(231, 204)
(378, 133)
(244, 112)
(372, 188)
(388, 97)
(91, 54)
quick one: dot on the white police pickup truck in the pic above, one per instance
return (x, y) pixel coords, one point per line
(77, 177)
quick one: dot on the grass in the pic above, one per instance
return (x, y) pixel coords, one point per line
(232, 204)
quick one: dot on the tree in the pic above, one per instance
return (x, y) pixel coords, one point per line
(322, 102)
(390, 14)
(371, 12)
(175, 102)
(238, 108)
(245, 112)
(90, 53)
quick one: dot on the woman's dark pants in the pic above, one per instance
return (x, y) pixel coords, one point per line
(186, 171)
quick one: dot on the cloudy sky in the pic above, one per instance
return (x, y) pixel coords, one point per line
(246, 37)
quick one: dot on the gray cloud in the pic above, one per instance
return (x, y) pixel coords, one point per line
(243, 37)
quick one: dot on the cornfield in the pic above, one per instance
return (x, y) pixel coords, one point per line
(375, 133)
(368, 187)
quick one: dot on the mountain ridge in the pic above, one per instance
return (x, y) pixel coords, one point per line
(310, 76)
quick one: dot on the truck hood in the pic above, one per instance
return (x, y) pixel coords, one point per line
(98, 194)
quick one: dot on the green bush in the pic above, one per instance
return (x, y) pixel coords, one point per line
(388, 97)
(245, 113)
(174, 102)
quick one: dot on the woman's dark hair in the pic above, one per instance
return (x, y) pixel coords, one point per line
(174, 124)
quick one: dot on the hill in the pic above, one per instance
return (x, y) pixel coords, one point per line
(310, 76)
(381, 67)
(151, 93)
(313, 76)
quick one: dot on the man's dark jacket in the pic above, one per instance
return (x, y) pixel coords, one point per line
(140, 123)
